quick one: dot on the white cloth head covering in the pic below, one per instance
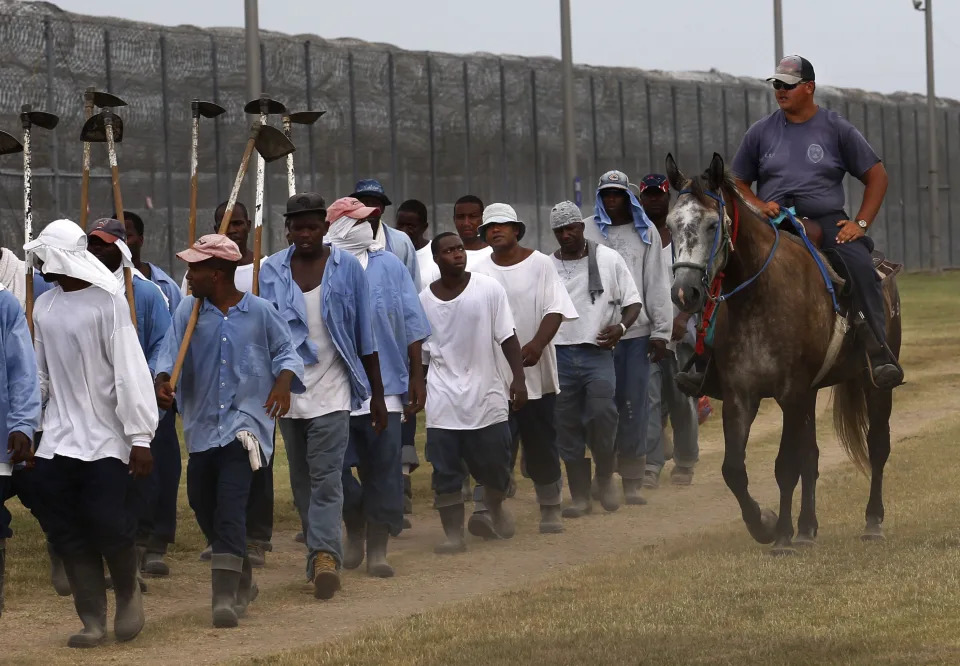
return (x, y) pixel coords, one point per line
(357, 239)
(62, 247)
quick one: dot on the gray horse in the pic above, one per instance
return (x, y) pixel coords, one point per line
(777, 336)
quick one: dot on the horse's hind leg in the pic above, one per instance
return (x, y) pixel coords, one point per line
(799, 434)
(739, 411)
(879, 407)
(807, 525)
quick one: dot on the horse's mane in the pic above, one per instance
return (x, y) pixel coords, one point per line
(698, 187)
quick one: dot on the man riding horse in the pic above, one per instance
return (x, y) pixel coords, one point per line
(798, 156)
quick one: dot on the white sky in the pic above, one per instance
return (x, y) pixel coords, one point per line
(872, 44)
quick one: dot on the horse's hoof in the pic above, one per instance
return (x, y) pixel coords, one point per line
(765, 532)
(805, 541)
(783, 548)
(873, 533)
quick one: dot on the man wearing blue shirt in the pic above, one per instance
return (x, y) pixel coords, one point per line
(237, 377)
(322, 293)
(373, 506)
(135, 234)
(19, 406)
(370, 193)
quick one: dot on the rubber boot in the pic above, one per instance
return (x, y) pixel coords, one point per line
(578, 480)
(452, 519)
(58, 575)
(407, 495)
(3, 569)
(631, 492)
(503, 525)
(153, 564)
(354, 546)
(247, 589)
(225, 573)
(607, 491)
(85, 574)
(551, 521)
(377, 537)
(124, 568)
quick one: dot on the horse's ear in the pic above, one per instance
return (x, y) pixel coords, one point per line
(715, 173)
(677, 180)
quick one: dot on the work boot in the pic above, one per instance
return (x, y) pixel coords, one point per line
(609, 497)
(354, 546)
(452, 519)
(886, 376)
(247, 589)
(595, 488)
(257, 555)
(153, 565)
(578, 480)
(690, 382)
(502, 521)
(326, 576)
(631, 492)
(550, 519)
(225, 573)
(651, 480)
(3, 569)
(58, 575)
(85, 574)
(681, 476)
(207, 553)
(124, 568)
(481, 525)
(407, 495)
(377, 537)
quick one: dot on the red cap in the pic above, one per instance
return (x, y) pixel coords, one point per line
(351, 208)
(211, 246)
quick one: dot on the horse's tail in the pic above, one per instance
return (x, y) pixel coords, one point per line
(850, 420)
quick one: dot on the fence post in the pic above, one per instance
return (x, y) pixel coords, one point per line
(215, 64)
(168, 178)
(675, 128)
(108, 66)
(433, 152)
(726, 130)
(700, 155)
(646, 92)
(466, 126)
(308, 84)
(391, 94)
(54, 147)
(503, 132)
(534, 127)
(593, 127)
(353, 115)
(623, 127)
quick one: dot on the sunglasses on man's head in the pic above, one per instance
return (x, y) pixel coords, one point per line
(780, 85)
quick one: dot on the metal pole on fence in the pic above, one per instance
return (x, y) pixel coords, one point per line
(535, 131)
(108, 66)
(777, 32)
(934, 181)
(505, 163)
(569, 130)
(168, 178)
(51, 104)
(309, 91)
(467, 158)
(353, 116)
(433, 151)
(251, 25)
(214, 61)
(391, 92)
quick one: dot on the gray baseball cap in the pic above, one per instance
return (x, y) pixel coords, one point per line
(793, 69)
(564, 214)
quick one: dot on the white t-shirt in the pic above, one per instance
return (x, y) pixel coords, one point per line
(431, 275)
(94, 380)
(467, 388)
(534, 290)
(242, 279)
(394, 405)
(327, 381)
(619, 291)
(428, 267)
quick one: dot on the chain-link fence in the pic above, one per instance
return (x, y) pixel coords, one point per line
(430, 126)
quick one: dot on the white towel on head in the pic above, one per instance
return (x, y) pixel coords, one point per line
(62, 247)
(357, 239)
(13, 275)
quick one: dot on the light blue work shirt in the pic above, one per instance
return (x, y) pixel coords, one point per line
(229, 370)
(398, 318)
(19, 384)
(153, 319)
(400, 244)
(345, 308)
(169, 288)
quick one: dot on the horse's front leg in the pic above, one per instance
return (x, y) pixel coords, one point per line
(798, 438)
(739, 411)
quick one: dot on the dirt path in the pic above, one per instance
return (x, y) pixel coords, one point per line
(286, 615)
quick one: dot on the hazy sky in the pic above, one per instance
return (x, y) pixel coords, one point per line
(872, 44)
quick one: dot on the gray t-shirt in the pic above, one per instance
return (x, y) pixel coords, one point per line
(803, 161)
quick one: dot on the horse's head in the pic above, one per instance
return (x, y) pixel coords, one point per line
(700, 227)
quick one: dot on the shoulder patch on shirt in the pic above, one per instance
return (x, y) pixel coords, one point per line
(815, 152)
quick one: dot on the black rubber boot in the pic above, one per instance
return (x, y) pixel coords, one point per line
(353, 548)
(225, 573)
(407, 495)
(58, 575)
(503, 525)
(85, 575)
(690, 382)
(247, 589)
(124, 568)
(452, 519)
(377, 537)
(885, 373)
(578, 481)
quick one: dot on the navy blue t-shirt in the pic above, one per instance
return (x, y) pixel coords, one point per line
(806, 161)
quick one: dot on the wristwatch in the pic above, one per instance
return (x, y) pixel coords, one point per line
(862, 224)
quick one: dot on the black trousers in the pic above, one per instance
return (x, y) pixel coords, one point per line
(24, 485)
(155, 497)
(260, 506)
(88, 505)
(218, 487)
(533, 425)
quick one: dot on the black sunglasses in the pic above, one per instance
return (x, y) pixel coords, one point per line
(780, 85)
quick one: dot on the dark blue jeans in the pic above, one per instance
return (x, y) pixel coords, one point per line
(90, 506)
(155, 497)
(378, 492)
(408, 436)
(218, 487)
(260, 505)
(25, 486)
(632, 367)
(586, 409)
(486, 452)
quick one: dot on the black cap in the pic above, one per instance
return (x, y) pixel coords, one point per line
(308, 202)
(793, 69)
